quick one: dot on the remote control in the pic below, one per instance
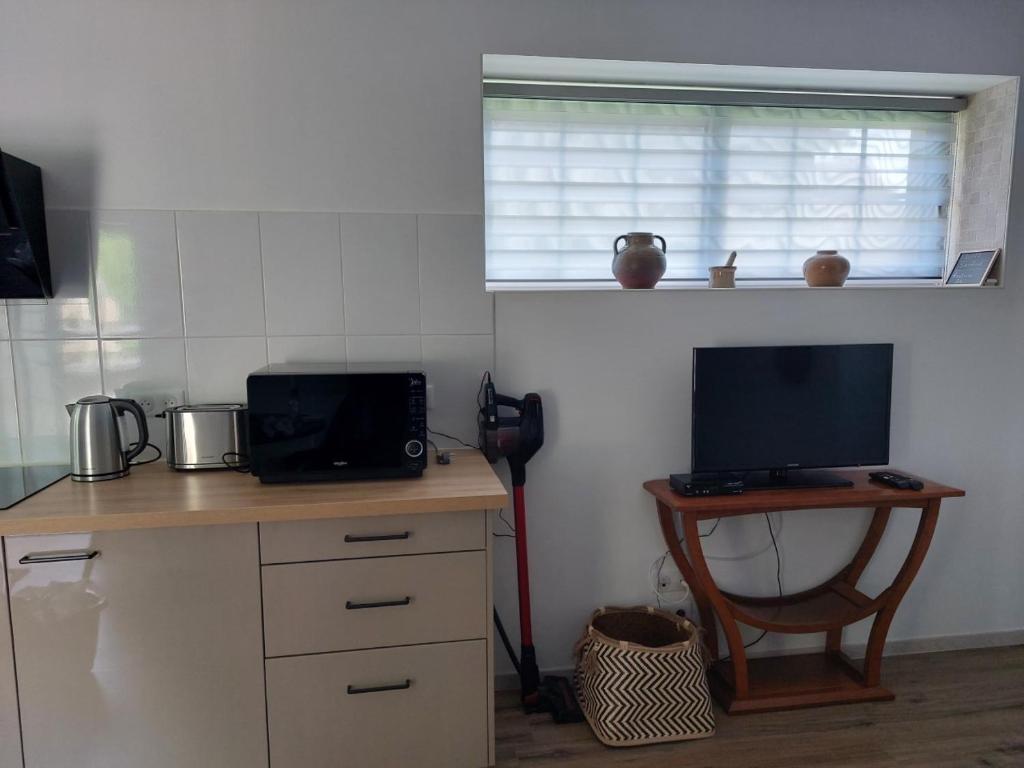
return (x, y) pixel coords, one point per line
(896, 480)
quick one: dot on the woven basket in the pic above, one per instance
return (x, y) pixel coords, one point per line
(640, 678)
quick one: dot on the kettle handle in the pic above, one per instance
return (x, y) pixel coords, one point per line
(140, 420)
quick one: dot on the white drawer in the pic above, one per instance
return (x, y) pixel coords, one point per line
(340, 539)
(340, 605)
(324, 711)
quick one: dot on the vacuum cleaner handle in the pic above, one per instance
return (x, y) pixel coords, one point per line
(511, 402)
(490, 406)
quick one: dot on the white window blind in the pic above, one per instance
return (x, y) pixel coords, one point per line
(564, 178)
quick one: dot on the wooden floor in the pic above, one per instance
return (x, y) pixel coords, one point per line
(964, 708)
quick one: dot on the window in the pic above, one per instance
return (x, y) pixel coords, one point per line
(563, 178)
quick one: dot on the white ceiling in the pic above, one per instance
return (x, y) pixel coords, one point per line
(731, 76)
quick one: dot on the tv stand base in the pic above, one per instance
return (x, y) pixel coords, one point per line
(783, 479)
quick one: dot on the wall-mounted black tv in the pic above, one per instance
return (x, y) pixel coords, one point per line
(774, 413)
(24, 251)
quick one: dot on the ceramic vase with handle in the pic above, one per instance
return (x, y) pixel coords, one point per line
(826, 269)
(640, 263)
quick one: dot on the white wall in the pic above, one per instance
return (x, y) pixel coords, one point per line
(373, 106)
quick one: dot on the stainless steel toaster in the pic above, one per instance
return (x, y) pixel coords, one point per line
(207, 436)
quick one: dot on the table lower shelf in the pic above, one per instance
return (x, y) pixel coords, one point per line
(836, 606)
(792, 682)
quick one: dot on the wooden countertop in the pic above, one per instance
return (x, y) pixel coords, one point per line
(864, 492)
(154, 496)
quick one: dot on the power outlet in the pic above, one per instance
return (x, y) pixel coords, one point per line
(669, 581)
(154, 403)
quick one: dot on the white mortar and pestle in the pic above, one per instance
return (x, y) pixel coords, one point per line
(723, 277)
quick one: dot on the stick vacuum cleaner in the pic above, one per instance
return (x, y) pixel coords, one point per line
(517, 438)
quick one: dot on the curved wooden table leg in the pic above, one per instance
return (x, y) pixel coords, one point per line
(737, 653)
(851, 573)
(707, 617)
(895, 593)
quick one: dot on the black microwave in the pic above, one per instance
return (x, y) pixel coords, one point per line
(313, 423)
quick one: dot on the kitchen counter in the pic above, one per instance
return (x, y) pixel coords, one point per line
(154, 496)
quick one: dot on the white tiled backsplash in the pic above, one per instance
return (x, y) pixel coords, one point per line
(163, 301)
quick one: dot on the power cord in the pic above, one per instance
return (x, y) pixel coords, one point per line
(501, 516)
(660, 563)
(238, 466)
(159, 455)
(451, 437)
(485, 379)
(778, 580)
(747, 555)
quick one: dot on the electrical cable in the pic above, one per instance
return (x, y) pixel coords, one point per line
(159, 455)
(240, 466)
(505, 641)
(746, 555)
(713, 527)
(452, 437)
(486, 378)
(501, 516)
(778, 580)
(437, 451)
(656, 575)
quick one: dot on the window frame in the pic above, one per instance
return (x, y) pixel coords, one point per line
(509, 88)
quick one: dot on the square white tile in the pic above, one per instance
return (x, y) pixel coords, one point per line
(307, 349)
(136, 368)
(381, 273)
(10, 442)
(365, 352)
(302, 273)
(454, 366)
(218, 367)
(138, 287)
(71, 312)
(50, 374)
(221, 277)
(452, 295)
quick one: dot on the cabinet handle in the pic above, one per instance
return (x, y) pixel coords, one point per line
(59, 557)
(350, 606)
(350, 539)
(353, 690)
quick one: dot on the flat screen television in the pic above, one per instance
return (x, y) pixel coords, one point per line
(777, 414)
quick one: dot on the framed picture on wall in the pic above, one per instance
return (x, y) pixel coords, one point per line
(972, 267)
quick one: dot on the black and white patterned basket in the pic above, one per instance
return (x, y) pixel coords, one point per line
(641, 678)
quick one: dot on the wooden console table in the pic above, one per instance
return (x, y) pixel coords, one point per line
(807, 680)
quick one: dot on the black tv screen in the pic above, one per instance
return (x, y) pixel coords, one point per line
(776, 408)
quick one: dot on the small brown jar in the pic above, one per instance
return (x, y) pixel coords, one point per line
(826, 269)
(641, 263)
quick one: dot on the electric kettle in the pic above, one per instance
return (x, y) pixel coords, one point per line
(97, 452)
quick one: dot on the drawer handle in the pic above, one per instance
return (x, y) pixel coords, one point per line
(350, 606)
(59, 557)
(350, 539)
(354, 690)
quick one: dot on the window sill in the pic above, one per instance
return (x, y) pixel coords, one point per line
(573, 286)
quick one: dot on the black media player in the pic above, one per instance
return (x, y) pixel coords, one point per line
(706, 484)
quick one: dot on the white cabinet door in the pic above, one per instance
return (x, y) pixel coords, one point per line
(146, 652)
(10, 733)
(421, 705)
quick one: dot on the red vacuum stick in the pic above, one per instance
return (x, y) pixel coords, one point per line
(522, 568)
